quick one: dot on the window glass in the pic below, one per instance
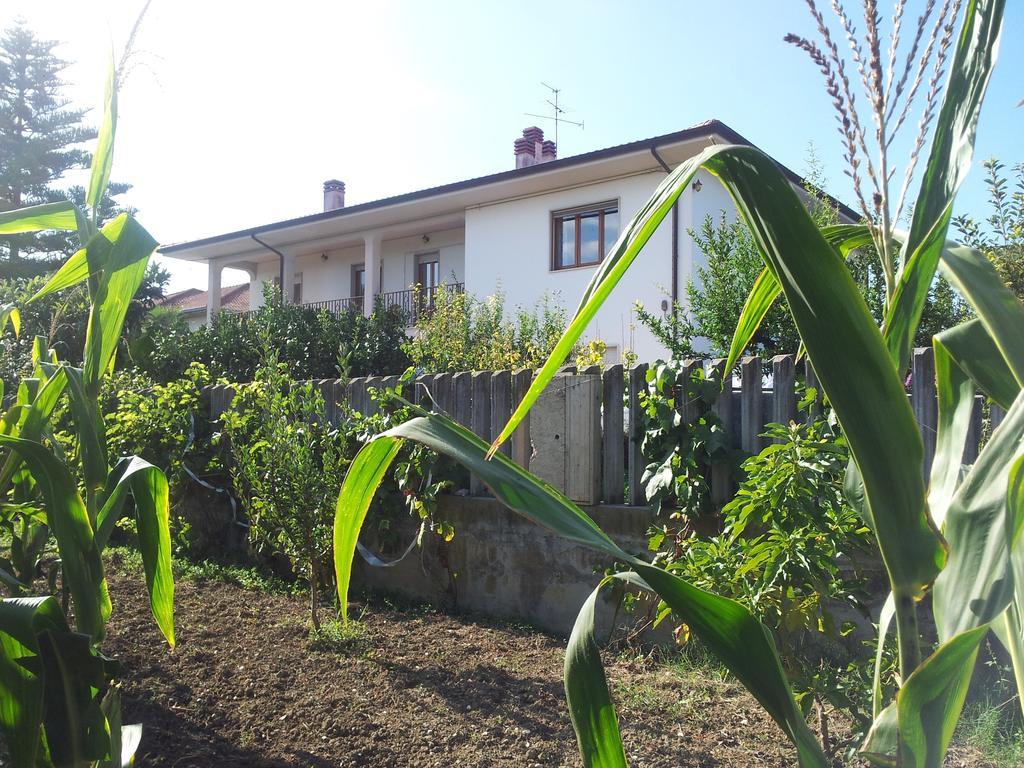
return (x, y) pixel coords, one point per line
(590, 241)
(567, 254)
(359, 281)
(611, 229)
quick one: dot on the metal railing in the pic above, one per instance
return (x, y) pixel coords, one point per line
(413, 302)
(337, 306)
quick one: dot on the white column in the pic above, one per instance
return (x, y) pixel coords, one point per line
(213, 291)
(287, 277)
(371, 263)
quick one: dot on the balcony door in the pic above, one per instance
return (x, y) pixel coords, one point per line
(428, 272)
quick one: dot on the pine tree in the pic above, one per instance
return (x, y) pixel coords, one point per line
(41, 137)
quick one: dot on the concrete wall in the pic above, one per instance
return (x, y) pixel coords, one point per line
(505, 565)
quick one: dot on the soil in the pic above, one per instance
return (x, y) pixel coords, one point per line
(413, 687)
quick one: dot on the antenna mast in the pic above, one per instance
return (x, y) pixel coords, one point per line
(557, 113)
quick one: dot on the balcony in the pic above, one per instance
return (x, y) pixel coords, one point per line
(412, 302)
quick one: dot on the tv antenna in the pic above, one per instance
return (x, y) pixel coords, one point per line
(557, 113)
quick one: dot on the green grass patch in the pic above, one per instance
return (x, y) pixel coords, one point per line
(352, 638)
(244, 576)
(995, 731)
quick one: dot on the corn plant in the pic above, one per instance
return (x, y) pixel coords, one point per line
(58, 704)
(958, 541)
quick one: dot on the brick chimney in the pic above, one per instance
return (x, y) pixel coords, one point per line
(334, 194)
(532, 149)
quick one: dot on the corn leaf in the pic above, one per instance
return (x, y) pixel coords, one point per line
(71, 272)
(103, 159)
(1009, 627)
(976, 585)
(586, 692)
(728, 629)
(973, 351)
(948, 163)
(69, 521)
(61, 215)
(148, 487)
(92, 443)
(998, 309)
(74, 722)
(929, 703)
(21, 688)
(361, 482)
(955, 395)
(843, 237)
(848, 353)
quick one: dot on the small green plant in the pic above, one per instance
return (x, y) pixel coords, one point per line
(335, 636)
(683, 439)
(285, 457)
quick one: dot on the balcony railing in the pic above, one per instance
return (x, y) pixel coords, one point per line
(413, 302)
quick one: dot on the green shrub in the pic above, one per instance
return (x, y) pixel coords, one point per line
(464, 333)
(286, 459)
(313, 344)
(156, 421)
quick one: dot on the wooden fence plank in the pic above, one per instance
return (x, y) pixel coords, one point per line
(481, 420)
(922, 400)
(522, 447)
(751, 414)
(721, 482)
(689, 407)
(501, 405)
(637, 382)
(613, 439)
(974, 427)
(442, 392)
(811, 382)
(357, 395)
(462, 393)
(783, 389)
(583, 438)
(372, 383)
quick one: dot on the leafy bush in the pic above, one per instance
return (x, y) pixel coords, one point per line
(285, 460)
(155, 421)
(62, 318)
(463, 333)
(680, 451)
(313, 344)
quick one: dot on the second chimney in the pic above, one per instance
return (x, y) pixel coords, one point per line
(334, 195)
(532, 149)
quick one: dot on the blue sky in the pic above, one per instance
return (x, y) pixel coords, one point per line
(236, 113)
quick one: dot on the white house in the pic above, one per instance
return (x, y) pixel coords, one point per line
(538, 228)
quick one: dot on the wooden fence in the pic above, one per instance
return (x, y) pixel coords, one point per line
(584, 434)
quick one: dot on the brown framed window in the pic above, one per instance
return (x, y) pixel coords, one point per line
(358, 280)
(580, 237)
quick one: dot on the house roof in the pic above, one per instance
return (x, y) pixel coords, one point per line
(709, 130)
(232, 297)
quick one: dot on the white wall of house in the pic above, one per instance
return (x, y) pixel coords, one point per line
(509, 245)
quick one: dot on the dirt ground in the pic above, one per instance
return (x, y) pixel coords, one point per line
(415, 687)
